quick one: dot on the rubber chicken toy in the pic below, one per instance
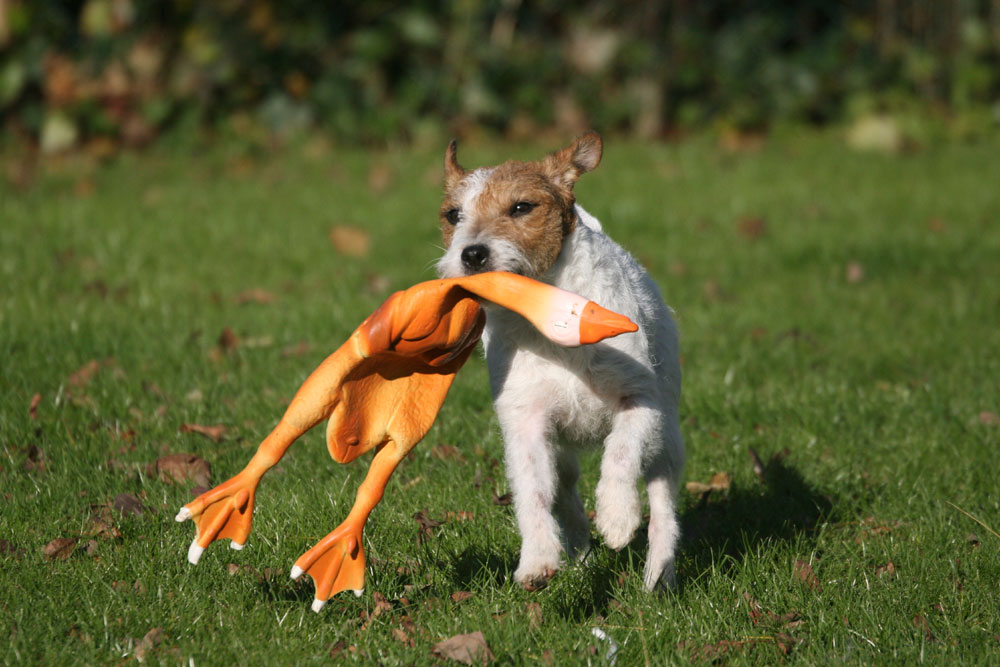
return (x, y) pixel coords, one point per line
(382, 390)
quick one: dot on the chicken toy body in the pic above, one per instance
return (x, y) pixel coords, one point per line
(382, 390)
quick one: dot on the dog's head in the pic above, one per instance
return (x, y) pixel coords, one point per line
(512, 217)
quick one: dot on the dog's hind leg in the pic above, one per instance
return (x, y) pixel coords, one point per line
(531, 469)
(663, 473)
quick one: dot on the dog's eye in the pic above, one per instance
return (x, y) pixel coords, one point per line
(451, 215)
(521, 208)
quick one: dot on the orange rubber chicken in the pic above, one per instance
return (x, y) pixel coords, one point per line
(382, 390)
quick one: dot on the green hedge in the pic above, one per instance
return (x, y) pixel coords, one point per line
(372, 70)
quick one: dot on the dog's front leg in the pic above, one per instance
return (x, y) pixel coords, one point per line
(531, 469)
(636, 433)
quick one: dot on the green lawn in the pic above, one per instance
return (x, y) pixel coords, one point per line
(839, 316)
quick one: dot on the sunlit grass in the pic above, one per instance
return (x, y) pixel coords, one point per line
(849, 337)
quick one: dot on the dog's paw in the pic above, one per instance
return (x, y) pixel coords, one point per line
(535, 581)
(618, 515)
(660, 578)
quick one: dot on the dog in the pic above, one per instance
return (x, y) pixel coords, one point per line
(551, 402)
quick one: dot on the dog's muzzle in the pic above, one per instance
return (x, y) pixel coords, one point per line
(475, 257)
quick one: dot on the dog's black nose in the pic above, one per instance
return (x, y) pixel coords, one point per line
(474, 256)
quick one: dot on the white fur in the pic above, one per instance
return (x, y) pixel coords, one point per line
(551, 400)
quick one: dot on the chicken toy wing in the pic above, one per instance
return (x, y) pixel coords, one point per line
(382, 390)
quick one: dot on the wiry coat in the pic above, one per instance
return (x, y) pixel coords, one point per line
(551, 400)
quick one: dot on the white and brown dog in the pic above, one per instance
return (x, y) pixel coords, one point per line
(522, 217)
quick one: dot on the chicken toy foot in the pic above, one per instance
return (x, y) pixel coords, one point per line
(382, 390)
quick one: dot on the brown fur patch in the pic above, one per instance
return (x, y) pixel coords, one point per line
(547, 184)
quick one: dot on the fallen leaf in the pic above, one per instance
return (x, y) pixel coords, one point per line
(183, 467)
(228, 340)
(35, 461)
(720, 482)
(889, 569)
(854, 272)
(987, 418)
(459, 596)
(426, 525)
(102, 524)
(260, 296)
(338, 648)
(128, 503)
(469, 649)
(379, 178)
(805, 574)
(757, 612)
(784, 642)
(400, 635)
(445, 452)
(920, 623)
(214, 433)
(33, 406)
(505, 499)
(936, 225)
(148, 643)
(297, 350)
(8, 549)
(60, 548)
(972, 539)
(350, 241)
(83, 375)
(91, 548)
(751, 228)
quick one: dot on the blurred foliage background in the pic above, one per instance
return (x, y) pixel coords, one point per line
(114, 73)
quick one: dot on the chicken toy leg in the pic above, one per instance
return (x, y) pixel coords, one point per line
(382, 390)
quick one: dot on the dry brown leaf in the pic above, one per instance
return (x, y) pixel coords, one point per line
(505, 499)
(83, 375)
(720, 482)
(128, 503)
(751, 228)
(228, 340)
(854, 272)
(459, 596)
(33, 406)
(887, 569)
(987, 418)
(469, 649)
(338, 648)
(35, 461)
(805, 574)
(350, 241)
(260, 296)
(297, 350)
(148, 643)
(214, 433)
(8, 549)
(400, 635)
(183, 467)
(379, 178)
(60, 548)
(445, 452)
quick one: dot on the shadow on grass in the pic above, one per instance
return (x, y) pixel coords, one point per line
(782, 506)
(717, 529)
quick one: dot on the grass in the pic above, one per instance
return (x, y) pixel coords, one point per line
(850, 340)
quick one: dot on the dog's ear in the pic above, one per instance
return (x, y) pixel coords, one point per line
(453, 172)
(566, 166)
